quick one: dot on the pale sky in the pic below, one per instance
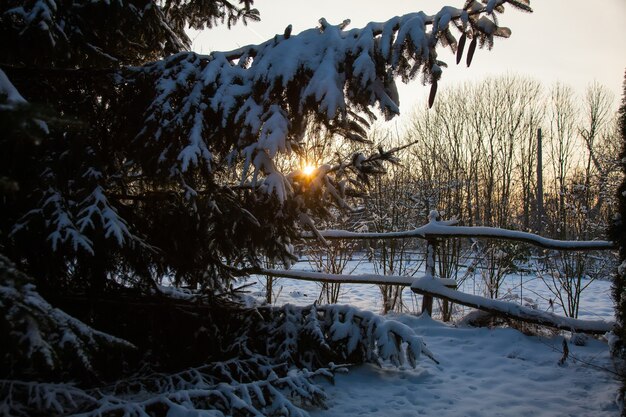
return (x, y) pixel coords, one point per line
(571, 41)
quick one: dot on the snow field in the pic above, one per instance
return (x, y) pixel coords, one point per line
(482, 372)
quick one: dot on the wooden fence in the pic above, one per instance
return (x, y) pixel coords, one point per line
(431, 287)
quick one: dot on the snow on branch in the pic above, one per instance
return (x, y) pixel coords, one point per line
(40, 337)
(279, 354)
(339, 278)
(97, 206)
(71, 33)
(9, 96)
(341, 334)
(61, 220)
(445, 229)
(273, 397)
(12, 101)
(257, 100)
(70, 222)
(436, 288)
(379, 339)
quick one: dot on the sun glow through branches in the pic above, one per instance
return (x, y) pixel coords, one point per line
(308, 170)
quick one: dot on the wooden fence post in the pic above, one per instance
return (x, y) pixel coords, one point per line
(431, 250)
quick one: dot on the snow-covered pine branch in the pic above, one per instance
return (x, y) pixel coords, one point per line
(253, 103)
(279, 355)
(77, 33)
(186, 149)
(96, 211)
(16, 113)
(314, 335)
(10, 98)
(40, 339)
(288, 396)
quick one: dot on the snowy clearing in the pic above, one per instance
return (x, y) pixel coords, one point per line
(482, 372)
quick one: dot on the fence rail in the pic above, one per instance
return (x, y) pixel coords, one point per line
(430, 287)
(449, 229)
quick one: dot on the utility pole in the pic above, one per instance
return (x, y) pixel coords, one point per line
(539, 225)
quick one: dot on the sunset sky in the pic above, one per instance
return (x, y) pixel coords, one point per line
(571, 41)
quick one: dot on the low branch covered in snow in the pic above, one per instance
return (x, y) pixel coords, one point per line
(446, 229)
(276, 396)
(277, 355)
(313, 335)
(39, 339)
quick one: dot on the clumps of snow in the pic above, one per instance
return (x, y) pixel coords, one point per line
(178, 293)
(70, 222)
(97, 206)
(9, 96)
(297, 294)
(348, 332)
(267, 376)
(61, 220)
(194, 392)
(12, 100)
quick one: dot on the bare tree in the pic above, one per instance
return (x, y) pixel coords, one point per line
(601, 140)
(560, 143)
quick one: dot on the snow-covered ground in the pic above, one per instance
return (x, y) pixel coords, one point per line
(482, 372)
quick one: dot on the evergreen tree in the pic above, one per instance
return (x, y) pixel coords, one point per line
(158, 161)
(127, 159)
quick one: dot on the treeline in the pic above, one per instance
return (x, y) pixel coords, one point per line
(476, 156)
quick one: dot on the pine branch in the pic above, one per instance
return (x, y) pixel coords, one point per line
(40, 338)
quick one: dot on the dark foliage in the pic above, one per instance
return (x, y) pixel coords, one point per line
(618, 234)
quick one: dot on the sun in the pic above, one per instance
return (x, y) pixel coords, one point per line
(308, 170)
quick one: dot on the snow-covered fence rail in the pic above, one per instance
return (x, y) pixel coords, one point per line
(339, 278)
(443, 288)
(433, 287)
(448, 229)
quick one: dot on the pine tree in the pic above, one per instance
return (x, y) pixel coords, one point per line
(158, 161)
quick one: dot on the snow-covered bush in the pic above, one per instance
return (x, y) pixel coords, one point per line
(314, 335)
(277, 356)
